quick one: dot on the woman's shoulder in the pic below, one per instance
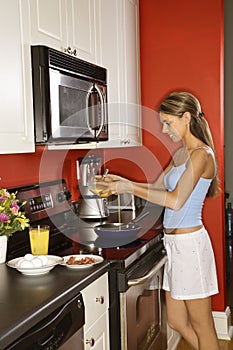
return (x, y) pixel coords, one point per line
(203, 149)
(206, 155)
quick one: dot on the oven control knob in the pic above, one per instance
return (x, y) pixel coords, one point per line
(63, 196)
(90, 342)
(68, 195)
(100, 300)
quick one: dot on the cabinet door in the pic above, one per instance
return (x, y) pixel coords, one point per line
(82, 28)
(97, 336)
(49, 23)
(96, 301)
(95, 298)
(110, 56)
(119, 52)
(61, 24)
(17, 131)
(131, 72)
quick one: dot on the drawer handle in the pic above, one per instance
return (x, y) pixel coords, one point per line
(100, 300)
(90, 342)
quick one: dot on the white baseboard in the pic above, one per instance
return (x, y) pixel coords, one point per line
(223, 325)
(173, 338)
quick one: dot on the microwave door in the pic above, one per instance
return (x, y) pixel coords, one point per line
(95, 111)
(68, 107)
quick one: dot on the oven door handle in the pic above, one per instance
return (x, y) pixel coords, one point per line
(153, 271)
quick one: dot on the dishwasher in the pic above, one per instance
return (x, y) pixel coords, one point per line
(62, 329)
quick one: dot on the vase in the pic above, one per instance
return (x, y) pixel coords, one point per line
(3, 248)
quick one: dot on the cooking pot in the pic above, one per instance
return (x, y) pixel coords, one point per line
(117, 230)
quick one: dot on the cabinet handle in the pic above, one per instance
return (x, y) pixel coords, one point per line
(70, 52)
(90, 342)
(125, 141)
(99, 300)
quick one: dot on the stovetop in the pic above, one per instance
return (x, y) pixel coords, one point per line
(49, 203)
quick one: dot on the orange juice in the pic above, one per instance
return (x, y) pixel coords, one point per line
(39, 239)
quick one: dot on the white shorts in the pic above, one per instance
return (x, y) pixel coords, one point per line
(190, 271)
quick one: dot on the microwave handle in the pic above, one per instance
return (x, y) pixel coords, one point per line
(102, 110)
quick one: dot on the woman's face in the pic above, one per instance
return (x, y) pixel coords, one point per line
(174, 127)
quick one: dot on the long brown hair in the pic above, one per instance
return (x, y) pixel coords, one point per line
(176, 104)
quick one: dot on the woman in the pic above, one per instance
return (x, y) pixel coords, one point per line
(190, 274)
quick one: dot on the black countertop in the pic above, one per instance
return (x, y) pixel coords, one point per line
(26, 300)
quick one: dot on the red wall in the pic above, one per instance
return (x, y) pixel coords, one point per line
(41, 166)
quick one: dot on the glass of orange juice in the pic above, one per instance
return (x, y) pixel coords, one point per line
(39, 239)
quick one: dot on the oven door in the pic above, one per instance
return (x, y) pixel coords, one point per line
(78, 108)
(142, 310)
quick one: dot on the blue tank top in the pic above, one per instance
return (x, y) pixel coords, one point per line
(190, 214)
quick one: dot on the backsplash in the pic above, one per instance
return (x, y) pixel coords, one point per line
(41, 166)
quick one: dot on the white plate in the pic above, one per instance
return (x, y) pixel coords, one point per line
(53, 260)
(98, 259)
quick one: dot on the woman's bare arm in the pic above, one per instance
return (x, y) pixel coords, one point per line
(156, 192)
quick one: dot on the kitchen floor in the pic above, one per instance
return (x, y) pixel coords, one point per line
(224, 345)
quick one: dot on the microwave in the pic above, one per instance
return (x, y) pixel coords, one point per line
(69, 98)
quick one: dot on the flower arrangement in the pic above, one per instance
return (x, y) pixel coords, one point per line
(12, 219)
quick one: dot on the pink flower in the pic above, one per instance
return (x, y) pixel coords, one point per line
(14, 211)
(14, 205)
(4, 217)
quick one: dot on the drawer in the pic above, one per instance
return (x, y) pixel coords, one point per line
(96, 299)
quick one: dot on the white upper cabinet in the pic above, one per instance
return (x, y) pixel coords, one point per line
(48, 23)
(17, 130)
(119, 52)
(82, 28)
(65, 25)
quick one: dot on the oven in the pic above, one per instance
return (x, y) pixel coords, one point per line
(136, 304)
(142, 307)
(135, 292)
